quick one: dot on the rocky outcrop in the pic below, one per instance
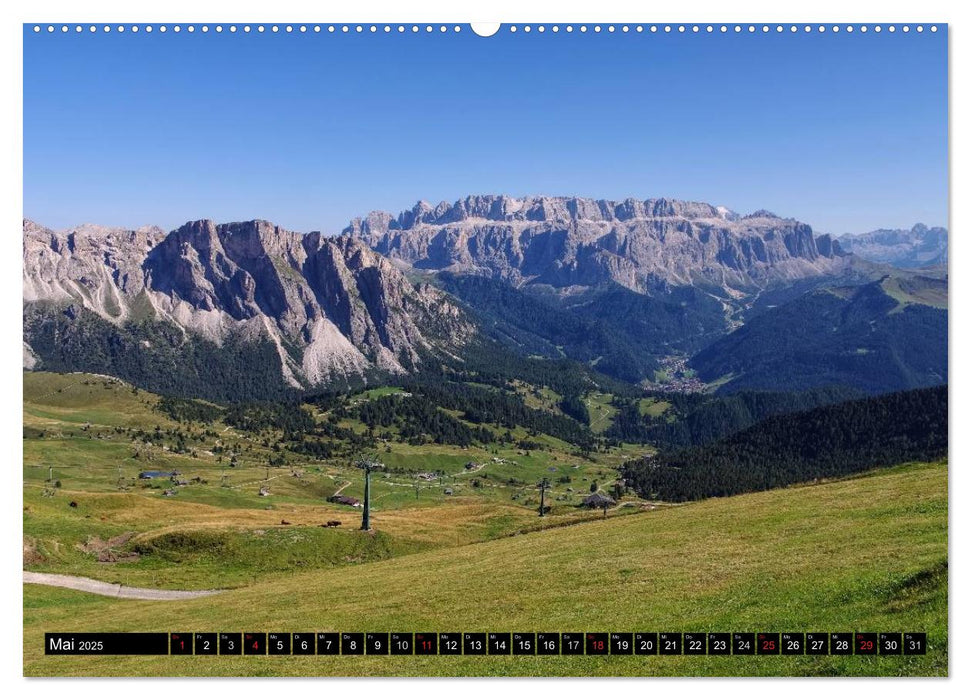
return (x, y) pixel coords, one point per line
(919, 246)
(565, 242)
(332, 307)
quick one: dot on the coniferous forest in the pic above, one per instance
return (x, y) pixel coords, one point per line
(830, 441)
(700, 418)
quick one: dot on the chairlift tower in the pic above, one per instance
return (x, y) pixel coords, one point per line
(367, 465)
(543, 485)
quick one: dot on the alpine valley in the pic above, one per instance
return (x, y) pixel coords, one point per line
(669, 294)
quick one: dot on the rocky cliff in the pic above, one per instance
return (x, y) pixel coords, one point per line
(331, 307)
(566, 242)
(920, 246)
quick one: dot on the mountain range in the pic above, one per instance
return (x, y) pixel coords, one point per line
(249, 309)
(919, 246)
(566, 242)
(328, 307)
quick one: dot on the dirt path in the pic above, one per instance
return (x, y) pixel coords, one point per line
(477, 468)
(255, 481)
(89, 585)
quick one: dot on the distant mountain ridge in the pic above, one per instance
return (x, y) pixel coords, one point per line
(573, 241)
(919, 246)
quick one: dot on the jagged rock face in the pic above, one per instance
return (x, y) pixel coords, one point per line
(332, 307)
(573, 241)
(918, 247)
(98, 265)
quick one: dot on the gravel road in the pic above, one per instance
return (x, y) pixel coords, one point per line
(115, 590)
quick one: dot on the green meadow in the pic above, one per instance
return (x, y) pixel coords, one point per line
(861, 554)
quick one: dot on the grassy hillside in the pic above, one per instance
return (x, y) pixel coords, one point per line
(217, 530)
(867, 553)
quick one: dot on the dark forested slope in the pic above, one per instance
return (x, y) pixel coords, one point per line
(883, 336)
(829, 441)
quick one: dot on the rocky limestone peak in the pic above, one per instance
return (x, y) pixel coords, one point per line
(93, 236)
(502, 208)
(31, 226)
(918, 246)
(331, 306)
(200, 234)
(569, 241)
(761, 214)
(828, 246)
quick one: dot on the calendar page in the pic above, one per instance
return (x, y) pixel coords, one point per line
(524, 349)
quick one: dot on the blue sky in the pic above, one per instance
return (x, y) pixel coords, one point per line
(847, 132)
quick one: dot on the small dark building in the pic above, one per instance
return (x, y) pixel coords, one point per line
(345, 501)
(598, 500)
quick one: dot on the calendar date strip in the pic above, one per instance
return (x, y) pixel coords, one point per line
(486, 643)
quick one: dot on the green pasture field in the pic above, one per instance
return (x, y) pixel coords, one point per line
(218, 531)
(867, 553)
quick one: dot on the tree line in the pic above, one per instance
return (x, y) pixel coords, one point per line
(696, 419)
(482, 405)
(418, 421)
(829, 441)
